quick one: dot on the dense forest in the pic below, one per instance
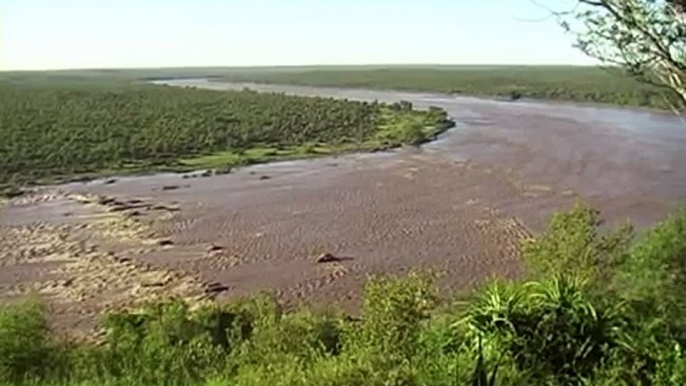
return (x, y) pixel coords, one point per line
(598, 307)
(54, 128)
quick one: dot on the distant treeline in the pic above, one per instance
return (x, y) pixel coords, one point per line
(565, 83)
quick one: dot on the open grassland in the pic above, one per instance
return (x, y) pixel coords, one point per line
(54, 128)
(598, 307)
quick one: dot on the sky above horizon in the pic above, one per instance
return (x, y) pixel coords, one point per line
(59, 34)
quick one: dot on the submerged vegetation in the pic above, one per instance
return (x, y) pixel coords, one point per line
(612, 314)
(53, 129)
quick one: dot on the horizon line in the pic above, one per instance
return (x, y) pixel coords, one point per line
(268, 66)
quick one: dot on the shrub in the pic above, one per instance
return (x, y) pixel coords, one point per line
(392, 312)
(166, 344)
(551, 329)
(412, 133)
(573, 244)
(654, 275)
(26, 352)
(302, 336)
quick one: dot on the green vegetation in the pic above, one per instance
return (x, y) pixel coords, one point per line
(598, 306)
(612, 314)
(564, 83)
(56, 128)
(643, 37)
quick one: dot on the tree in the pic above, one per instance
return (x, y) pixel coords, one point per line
(647, 38)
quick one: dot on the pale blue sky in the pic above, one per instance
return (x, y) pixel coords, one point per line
(47, 34)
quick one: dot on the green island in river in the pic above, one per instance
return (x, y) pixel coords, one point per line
(54, 131)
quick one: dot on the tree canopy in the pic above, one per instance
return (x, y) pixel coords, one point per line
(52, 129)
(647, 38)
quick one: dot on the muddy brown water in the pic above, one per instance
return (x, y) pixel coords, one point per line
(458, 206)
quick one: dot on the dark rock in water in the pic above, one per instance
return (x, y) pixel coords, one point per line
(83, 179)
(12, 192)
(327, 258)
(174, 187)
(165, 207)
(215, 248)
(122, 206)
(265, 177)
(106, 201)
(165, 242)
(154, 283)
(110, 181)
(224, 170)
(215, 288)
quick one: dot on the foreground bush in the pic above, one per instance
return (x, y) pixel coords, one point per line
(25, 349)
(608, 314)
(552, 329)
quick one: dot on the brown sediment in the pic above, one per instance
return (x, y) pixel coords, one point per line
(375, 214)
(84, 265)
(458, 207)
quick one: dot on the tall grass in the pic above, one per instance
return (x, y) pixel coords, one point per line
(608, 312)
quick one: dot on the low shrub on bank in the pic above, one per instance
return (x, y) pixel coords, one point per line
(608, 312)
